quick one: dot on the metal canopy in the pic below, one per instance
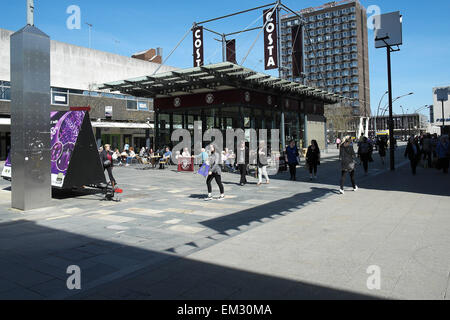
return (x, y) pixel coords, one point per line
(214, 77)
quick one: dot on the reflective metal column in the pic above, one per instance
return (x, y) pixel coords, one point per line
(30, 119)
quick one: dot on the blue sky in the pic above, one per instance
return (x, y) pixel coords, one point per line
(126, 27)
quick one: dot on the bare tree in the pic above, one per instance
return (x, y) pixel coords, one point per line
(339, 119)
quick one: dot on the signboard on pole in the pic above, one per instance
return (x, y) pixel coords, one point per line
(198, 47)
(388, 26)
(270, 39)
(297, 50)
(231, 51)
(442, 94)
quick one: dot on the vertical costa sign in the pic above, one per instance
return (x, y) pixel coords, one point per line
(270, 39)
(198, 46)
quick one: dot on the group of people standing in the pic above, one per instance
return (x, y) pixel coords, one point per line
(431, 149)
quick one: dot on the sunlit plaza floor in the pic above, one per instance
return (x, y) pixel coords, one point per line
(285, 240)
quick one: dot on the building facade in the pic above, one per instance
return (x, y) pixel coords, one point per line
(335, 51)
(75, 73)
(404, 125)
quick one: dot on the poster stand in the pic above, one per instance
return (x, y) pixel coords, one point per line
(75, 161)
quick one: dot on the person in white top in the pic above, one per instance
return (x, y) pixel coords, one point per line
(186, 153)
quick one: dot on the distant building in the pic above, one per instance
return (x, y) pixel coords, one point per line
(75, 71)
(404, 125)
(151, 55)
(335, 51)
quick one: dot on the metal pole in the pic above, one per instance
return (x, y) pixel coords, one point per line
(443, 118)
(236, 13)
(391, 121)
(30, 12)
(224, 48)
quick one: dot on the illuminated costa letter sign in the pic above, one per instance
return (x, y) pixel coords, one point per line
(198, 46)
(270, 39)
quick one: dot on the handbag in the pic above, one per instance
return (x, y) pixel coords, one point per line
(107, 164)
(204, 170)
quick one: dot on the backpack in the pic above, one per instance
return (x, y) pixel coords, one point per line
(364, 148)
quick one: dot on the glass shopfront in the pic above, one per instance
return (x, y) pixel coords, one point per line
(229, 117)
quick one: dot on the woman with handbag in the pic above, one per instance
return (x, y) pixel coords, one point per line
(107, 161)
(242, 161)
(215, 172)
(347, 156)
(313, 159)
(262, 163)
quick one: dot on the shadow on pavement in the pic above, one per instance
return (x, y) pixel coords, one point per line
(268, 210)
(34, 260)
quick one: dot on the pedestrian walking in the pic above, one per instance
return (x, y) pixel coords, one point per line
(412, 152)
(107, 160)
(313, 159)
(443, 153)
(262, 163)
(382, 146)
(242, 158)
(338, 143)
(292, 155)
(347, 156)
(427, 150)
(364, 153)
(215, 172)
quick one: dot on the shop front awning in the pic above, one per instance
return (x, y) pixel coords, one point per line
(213, 78)
(122, 125)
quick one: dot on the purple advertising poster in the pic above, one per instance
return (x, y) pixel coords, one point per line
(6, 173)
(65, 127)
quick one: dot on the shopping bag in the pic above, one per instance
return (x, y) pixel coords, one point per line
(204, 170)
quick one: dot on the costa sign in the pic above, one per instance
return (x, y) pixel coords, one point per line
(198, 46)
(270, 39)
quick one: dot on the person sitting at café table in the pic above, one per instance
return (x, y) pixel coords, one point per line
(229, 157)
(165, 157)
(186, 153)
(131, 156)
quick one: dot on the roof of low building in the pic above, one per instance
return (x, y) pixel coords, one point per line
(215, 77)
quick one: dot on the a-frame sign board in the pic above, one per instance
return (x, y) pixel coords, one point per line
(75, 160)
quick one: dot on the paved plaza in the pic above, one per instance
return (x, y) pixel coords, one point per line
(286, 240)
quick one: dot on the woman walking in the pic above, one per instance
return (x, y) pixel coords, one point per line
(364, 152)
(215, 172)
(107, 160)
(382, 146)
(262, 163)
(242, 158)
(412, 152)
(313, 159)
(347, 156)
(291, 158)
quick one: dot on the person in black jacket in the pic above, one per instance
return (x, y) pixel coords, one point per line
(242, 158)
(313, 159)
(107, 161)
(412, 152)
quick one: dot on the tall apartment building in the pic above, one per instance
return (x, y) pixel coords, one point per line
(335, 51)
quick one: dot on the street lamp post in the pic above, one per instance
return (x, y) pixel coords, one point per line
(398, 98)
(90, 30)
(378, 110)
